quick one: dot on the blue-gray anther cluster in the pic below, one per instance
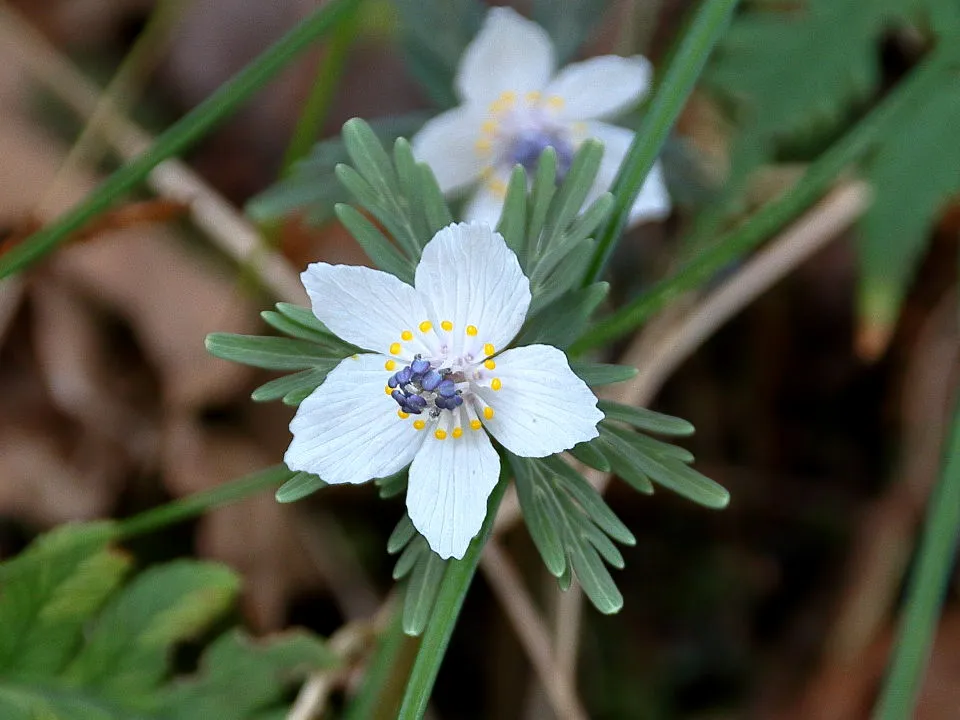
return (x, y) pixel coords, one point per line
(418, 387)
(530, 144)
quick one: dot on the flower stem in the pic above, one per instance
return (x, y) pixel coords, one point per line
(182, 134)
(198, 503)
(698, 41)
(816, 181)
(918, 624)
(453, 590)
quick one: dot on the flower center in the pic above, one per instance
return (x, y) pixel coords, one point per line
(518, 130)
(419, 387)
(441, 382)
(529, 144)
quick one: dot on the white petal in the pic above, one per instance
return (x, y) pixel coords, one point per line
(542, 407)
(509, 54)
(450, 481)
(601, 86)
(486, 205)
(348, 430)
(365, 307)
(653, 202)
(448, 144)
(471, 277)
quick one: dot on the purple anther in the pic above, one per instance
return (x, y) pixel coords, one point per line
(447, 388)
(430, 380)
(399, 397)
(416, 403)
(392, 382)
(404, 376)
(443, 403)
(420, 366)
(455, 402)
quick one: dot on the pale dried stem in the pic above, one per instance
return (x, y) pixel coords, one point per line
(504, 580)
(122, 90)
(352, 644)
(172, 179)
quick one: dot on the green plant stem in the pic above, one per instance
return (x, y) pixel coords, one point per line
(453, 590)
(199, 503)
(816, 181)
(927, 588)
(317, 106)
(698, 41)
(182, 134)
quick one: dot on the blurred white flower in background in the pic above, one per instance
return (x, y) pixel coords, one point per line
(515, 105)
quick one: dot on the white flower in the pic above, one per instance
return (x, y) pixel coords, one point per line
(514, 107)
(436, 381)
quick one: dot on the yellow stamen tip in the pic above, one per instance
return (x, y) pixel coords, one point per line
(495, 384)
(402, 415)
(388, 389)
(447, 325)
(555, 102)
(390, 365)
(533, 97)
(482, 146)
(419, 424)
(426, 326)
(440, 434)
(457, 432)
(488, 364)
(488, 413)
(489, 349)
(395, 349)
(472, 330)
(475, 425)
(488, 127)
(406, 336)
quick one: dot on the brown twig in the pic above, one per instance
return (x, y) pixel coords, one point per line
(531, 630)
(172, 179)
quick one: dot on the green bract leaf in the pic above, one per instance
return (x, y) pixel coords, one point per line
(421, 592)
(644, 419)
(392, 485)
(569, 524)
(304, 381)
(298, 487)
(562, 322)
(401, 535)
(271, 353)
(596, 374)
(77, 647)
(636, 457)
(586, 453)
(513, 217)
(384, 255)
(312, 188)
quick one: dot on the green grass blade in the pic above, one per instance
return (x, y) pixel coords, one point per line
(698, 41)
(182, 134)
(925, 594)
